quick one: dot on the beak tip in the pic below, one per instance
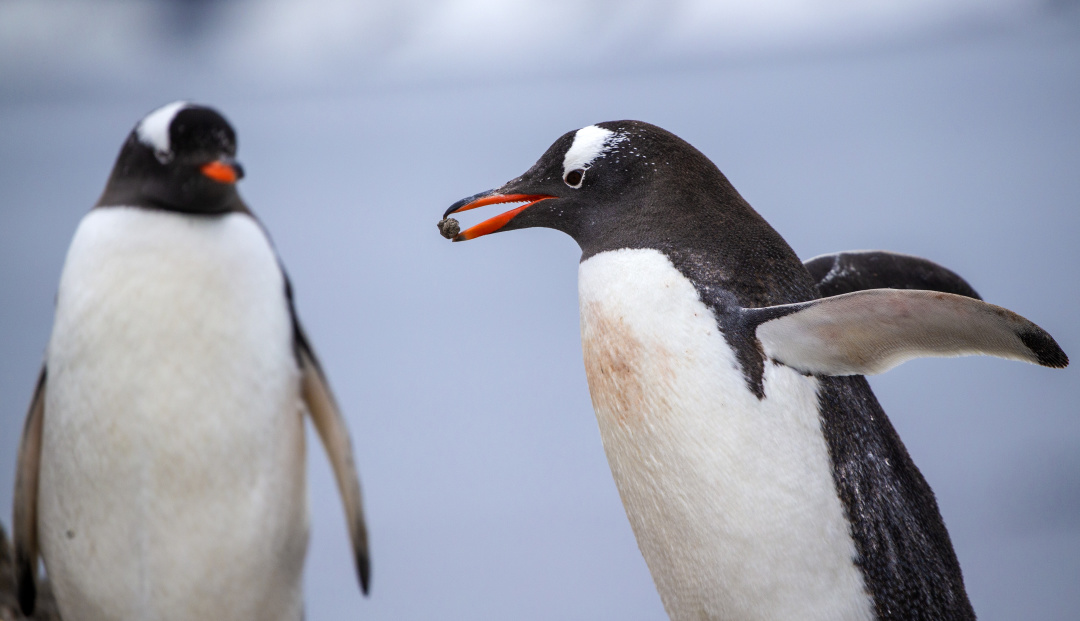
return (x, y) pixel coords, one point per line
(466, 201)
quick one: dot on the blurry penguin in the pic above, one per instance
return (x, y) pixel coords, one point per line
(161, 471)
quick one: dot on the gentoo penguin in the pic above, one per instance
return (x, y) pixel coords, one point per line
(161, 468)
(760, 476)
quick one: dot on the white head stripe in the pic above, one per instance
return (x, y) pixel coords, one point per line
(589, 143)
(153, 130)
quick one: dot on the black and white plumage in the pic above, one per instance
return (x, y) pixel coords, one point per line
(760, 475)
(161, 472)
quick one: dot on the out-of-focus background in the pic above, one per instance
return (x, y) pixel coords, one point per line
(943, 128)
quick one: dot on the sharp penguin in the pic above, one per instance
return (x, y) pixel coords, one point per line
(760, 475)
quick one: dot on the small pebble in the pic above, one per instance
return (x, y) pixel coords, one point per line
(449, 228)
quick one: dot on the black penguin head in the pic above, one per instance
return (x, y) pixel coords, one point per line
(180, 157)
(614, 184)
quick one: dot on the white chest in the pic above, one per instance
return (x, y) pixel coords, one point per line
(173, 437)
(731, 497)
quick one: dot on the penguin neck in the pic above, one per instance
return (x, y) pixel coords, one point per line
(730, 254)
(169, 195)
(713, 237)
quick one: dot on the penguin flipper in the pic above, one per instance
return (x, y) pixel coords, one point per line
(859, 270)
(335, 438)
(24, 522)
(870, 332)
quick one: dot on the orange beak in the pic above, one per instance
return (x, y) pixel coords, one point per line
(492, 224)
(223, 171)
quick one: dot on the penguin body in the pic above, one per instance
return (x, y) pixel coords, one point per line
(172, 480)
(730, 526)
(760, 476)
(162, 470)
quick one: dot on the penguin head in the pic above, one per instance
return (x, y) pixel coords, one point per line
(613, 184)
(180, 157)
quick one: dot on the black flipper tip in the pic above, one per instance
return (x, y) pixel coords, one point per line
(27, 589)
(363, 570)
(1046, 350)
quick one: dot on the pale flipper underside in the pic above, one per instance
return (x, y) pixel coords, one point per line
(870, 332)
(335, 438)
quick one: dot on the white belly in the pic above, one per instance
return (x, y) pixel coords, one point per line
(172, 476)
(731, 497)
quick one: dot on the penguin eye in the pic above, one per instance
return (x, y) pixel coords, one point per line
(575, 177)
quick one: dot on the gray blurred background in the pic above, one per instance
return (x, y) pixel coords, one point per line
(943, 128)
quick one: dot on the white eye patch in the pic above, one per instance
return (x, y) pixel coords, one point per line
(589, 143)
(153, 130)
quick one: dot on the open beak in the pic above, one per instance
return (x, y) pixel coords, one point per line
(491, 197)
(223, 171)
